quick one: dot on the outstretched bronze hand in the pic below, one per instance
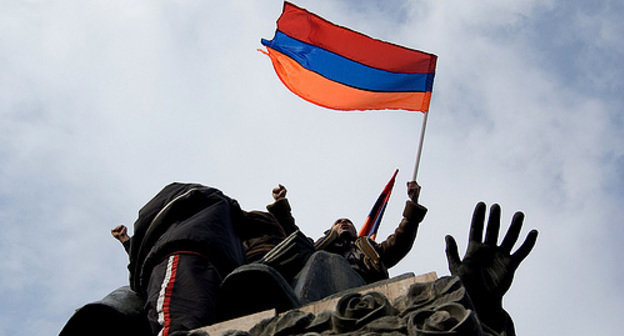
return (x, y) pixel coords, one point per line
(487, 269)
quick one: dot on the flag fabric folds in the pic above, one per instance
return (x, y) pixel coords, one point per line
(338, 68)
(371, 224)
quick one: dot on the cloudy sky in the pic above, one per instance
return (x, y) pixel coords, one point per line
(102, 103)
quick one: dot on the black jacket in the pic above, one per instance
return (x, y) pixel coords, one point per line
(370, 259)
(185, 217)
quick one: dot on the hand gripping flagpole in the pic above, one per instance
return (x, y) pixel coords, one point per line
(420, 145)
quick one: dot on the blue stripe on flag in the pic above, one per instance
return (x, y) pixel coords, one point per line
(343, 70)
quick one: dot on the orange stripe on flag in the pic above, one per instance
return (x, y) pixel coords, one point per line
(324, 92)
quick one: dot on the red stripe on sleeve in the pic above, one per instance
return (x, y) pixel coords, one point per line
(168, 294)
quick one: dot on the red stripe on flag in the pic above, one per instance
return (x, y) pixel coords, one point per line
(312, 29)
(369, 229)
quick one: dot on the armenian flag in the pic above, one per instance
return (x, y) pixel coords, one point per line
(338, 68)
(371, 224)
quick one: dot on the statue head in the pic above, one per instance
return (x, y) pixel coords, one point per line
(344, 228)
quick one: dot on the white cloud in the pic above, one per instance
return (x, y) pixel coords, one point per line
(103, 103)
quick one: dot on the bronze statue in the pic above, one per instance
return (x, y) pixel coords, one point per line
(467, 303)
(487, 269)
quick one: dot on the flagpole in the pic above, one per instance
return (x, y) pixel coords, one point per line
(420, 145)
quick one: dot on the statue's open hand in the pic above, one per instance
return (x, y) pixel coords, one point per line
(487, 270)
